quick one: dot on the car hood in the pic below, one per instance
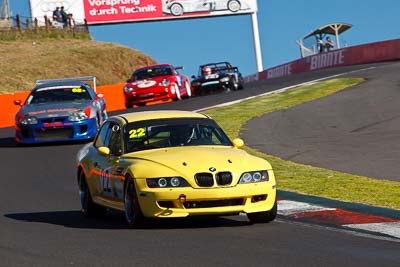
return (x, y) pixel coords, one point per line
(187, 161)
(54, 109)
(148, 82)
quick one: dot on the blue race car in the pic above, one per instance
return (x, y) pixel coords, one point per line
(60, 110)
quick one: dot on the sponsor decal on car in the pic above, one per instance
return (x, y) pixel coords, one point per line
(146, 84)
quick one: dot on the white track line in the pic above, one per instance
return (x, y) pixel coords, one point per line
(288, 207)
(279, 90)
(388, 228)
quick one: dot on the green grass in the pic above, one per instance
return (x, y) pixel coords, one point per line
(301, 178)
(25, 61)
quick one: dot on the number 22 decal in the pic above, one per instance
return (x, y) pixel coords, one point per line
(135, 133)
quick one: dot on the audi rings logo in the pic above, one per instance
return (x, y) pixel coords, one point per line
(49, 6)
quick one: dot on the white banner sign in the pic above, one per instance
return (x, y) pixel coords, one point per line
(115, 11)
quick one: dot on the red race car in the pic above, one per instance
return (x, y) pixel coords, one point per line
(154, 83)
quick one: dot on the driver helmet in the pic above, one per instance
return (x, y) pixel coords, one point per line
(181, 135)
(206, 70)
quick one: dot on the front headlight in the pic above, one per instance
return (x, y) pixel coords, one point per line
(128, 89)
(77, 116)
(254, 177)
(164, 82)
(164, 182)
(224, 79)
(29, 120)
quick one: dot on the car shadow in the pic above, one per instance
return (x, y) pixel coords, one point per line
(10, 142)
(116, 220)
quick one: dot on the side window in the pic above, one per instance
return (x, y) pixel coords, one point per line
(115, 144)
(103, 135)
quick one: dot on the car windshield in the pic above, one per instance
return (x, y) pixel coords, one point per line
(163, 133)
(58, 94)
(151, 72)
(216, 67)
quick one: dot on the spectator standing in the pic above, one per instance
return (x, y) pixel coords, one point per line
(64, 17)
(329, 44)
(57, 14)
(321, 46)
(71, 21)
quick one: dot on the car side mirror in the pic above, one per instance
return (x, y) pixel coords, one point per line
(193, 77)
(18, 103)
(104, 151)
(238, 143)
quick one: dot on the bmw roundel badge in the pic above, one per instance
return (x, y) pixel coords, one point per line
(212, 169)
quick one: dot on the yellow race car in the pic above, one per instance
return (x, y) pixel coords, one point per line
(168, 164)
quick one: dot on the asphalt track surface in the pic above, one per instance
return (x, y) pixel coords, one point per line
(41, 225)
(355, 131)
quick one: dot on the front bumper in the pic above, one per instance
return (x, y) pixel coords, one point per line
(168, 202)
(136, 98)
(69, 131)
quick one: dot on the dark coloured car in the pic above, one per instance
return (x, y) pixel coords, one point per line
(221, 76)
(60, 110)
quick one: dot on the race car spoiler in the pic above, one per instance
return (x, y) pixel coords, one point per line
(82, 79)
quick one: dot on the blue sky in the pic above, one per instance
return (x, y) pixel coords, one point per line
(190, 43)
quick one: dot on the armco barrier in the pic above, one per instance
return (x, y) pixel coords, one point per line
(113, 95)
(361, 54)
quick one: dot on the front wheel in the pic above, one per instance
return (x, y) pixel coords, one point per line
(188, 89)
(264, 216)
(133, 213)
(177, 92)
(176, 9)
(234, 5)
(88, 207)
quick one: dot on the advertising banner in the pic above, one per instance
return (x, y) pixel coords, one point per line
(360, 54)
(116, 11)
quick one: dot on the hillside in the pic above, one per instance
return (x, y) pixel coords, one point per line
(22, 62)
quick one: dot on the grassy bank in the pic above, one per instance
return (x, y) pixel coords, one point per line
(25, 61)
(302, 178)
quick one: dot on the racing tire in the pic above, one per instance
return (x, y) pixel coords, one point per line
(177, 92)
(264, 216)
(88, 207)
(233, 85)
(133, 214)
(188, 89)
(127, 106)
(176, 9)
(234, 5)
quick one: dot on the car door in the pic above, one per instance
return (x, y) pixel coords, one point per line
(106, 175)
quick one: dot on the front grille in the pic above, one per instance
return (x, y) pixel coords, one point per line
(54, 133)
(204, 179)
(213, 203)
(224, 178)
(53, 120)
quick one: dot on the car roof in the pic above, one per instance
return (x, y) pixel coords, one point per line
(216, 63)
(59, 83)
(160, 114)
(155, 65)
